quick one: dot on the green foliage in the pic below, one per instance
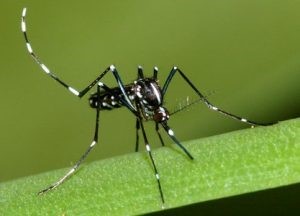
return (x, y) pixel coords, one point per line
(228, 164)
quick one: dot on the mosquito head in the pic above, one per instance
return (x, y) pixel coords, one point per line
(161, 115)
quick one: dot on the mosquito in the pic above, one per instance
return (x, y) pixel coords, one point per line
(144, 98)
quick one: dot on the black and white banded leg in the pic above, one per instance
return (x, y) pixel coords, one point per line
(171, 134)
(148, 149)
(203, 98)
(138, 127)
(79, 94)
(82, 158)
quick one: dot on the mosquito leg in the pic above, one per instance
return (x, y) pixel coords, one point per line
(37, 59)
(203, 98)
(76, 166)
(171, 134)
(137, 128)
(140, 72)
(79, 94)
(155, 71)
(159, 135)
(152, 161)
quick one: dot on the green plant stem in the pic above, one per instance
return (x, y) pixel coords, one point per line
(225, 165)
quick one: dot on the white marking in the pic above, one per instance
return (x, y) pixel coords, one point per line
(140, 67)
(148, 148)
(170, 132)
(175, 68)
(112, 67)
(29, 47)
(243, 120)
(74, 91)
(157, 94)
(24, 12)
(106, 105)
(93, 143)
(138, 93)
(45, 68)
(23, 26)
(156, 68)
(113, 103)
(112, 97)
(100, 84)
(157, 176)
(214, 108)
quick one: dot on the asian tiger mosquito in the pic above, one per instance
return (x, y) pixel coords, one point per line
(144, 98)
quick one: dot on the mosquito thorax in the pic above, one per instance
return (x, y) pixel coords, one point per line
(148, 93)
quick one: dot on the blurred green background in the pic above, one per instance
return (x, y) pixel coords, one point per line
(244, 54)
